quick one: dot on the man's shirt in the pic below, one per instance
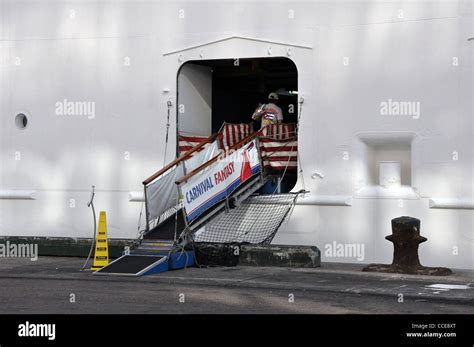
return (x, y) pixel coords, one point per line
(269, 113)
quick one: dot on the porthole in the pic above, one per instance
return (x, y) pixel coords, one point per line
(21, 120)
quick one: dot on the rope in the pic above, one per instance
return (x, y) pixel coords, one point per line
(169, 103)
(300, 172)
(91, 204)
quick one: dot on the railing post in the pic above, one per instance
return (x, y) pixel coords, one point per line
(146, 210)
(257, 140)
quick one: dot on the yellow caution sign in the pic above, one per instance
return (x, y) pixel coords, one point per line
(101, 255)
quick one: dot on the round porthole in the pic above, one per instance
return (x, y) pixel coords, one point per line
(21, 120)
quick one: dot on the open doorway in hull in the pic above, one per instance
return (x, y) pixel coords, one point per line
(214, 92)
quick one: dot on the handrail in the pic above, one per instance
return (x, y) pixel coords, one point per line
(182, 157)
(211, 161)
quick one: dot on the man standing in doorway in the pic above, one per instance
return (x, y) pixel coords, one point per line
(271, 116)
(270, 113)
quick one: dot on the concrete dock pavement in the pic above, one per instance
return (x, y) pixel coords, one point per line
(48, 284)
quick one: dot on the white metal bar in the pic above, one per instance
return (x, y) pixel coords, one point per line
(452, 203)
(17, 195)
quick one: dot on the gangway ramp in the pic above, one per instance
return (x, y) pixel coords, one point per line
(135, 265)
(205, 195)
(150, 257)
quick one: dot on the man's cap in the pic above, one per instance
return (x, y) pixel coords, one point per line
(273, 96)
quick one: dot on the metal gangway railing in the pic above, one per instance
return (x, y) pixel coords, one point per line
(162, 190)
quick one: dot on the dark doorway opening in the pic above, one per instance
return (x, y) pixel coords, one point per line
(237, 86)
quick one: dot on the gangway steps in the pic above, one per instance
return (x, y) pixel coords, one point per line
(155, 245)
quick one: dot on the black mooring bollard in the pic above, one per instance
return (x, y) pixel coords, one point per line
(406, 239)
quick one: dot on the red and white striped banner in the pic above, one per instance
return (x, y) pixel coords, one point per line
(279, 131)
(278, 154)
(233, 133)
(277, 142)
(188, 142)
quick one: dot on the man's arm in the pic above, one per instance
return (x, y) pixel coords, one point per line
(279, 116)
(257, 114)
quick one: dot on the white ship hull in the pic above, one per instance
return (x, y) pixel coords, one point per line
(380, 81)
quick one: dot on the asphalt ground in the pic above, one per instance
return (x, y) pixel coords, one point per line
(56, 285)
